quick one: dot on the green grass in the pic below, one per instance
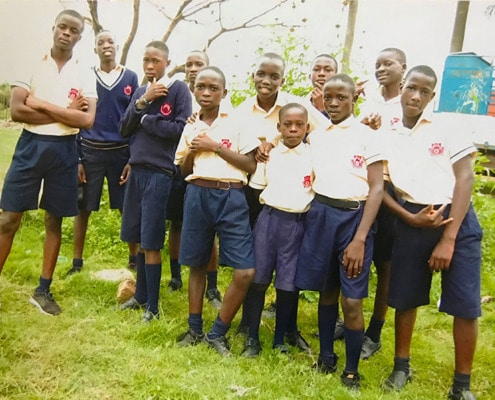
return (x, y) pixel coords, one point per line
(93, 351)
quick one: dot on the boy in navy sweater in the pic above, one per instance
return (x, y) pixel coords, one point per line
(155, 120)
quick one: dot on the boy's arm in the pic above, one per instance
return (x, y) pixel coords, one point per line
(20, 112)
(461, 199)
(244, 162)
(354, 253)
(130, 119)
(186, 168)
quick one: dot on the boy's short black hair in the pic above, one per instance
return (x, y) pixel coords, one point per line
(72, 13)
(274, 56)
(342, 78)
(207, 59)
(401, 56)
(216, 70)
(288, 106)
(324, 55)
(158, 44)
(104, 31)
(425, 70)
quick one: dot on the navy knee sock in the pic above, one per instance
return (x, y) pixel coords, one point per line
(256, 303)
(211, 279)
(153, 277)
(132, 259)
(246, 305)
(374, 330)
(353, 344)
(218, 329)
(175, 269)
(141, 292)
(44, 285)
(327, 317)
(284, 318)
(195, 322)
(77, 263)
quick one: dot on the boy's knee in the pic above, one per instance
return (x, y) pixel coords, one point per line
(9, 222)
(53, 223)
(352, 308)
(244, 276)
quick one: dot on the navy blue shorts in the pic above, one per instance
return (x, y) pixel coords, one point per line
(52, 160)
(210, 211)
(277, 240)
(145, 204)
(410, 279)
(98, 165)
(329, 231)
(175, 206)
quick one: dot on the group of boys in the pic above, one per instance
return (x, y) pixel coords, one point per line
(302, 196)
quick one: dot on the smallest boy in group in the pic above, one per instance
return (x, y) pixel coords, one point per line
(430, 165)
(215, 159)
(337, 245)
(285, 180)
(155, 120)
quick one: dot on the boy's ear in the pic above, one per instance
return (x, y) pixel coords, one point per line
(283, 81)
(355, 97)
(224, 93)
(278, 126)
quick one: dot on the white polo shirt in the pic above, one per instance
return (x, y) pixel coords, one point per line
(208, 165)
(286, 179)
(341, 154)
(420, 159)
(389, 110)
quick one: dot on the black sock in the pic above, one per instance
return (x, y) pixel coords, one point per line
(153, 277)
(245, 309)
(211, 279)
(461, 382)
(141, 292)
(132, 260)
(374, 330)
(401, 364)
(284, 318)
(44, 285)
(77, 263)
(256, 303)
(327, 317)
(175, 269)
(353, 344)
(195, 322)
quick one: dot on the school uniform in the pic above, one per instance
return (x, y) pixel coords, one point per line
(48, 152)
(214, 200)
(420, 164)
(340, 156)
(287, 194)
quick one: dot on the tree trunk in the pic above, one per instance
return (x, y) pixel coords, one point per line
(461, 14)
(349, 34)
(132, 33)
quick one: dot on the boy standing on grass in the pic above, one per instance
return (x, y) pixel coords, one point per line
(430, 165)
(215, 159)
(54, 102)
(336, 249)
(103, 151)
(155, 120)
(285, 180)
(390, 67)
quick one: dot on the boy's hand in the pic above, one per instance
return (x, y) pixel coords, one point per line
(79, 103)
(203, 142)
(317, 97)
(442, 255)
(263, 151)
(124, 176)
(428, 217)
(374, 121)
(81, 174)
(34, 103)
(155, 90)
(353, 258)
(192, 118)
(360, 88)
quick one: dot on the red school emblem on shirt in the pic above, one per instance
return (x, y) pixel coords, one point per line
(166, 109)
(226, 143)
(357, 161)
(73, 92)
(307, 182)
(436, 149)
(128, 90)
(394, 121)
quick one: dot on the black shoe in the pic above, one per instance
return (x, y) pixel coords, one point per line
(73, 270)
(149, 316)
(45, 302)
(460, 394)
(220, 344)
(270, 311)
(326, 368)
(351, 380)
(369, 348)
(281, 347)
(175, 284)
(131, 304)
(242, 330)
(214, 298)
(295, 339)
(339, 330)
(189, 338)
(252, 348)
(397, 380)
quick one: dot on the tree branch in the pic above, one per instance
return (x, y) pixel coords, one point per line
(93, 10)
(132, 33)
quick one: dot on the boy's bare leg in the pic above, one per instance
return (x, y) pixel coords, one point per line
(235, 294)
(9, 224)
(381, 296)
(404, 326)
(51, 247)
(80, 228)
(196, 290)
(465, 337)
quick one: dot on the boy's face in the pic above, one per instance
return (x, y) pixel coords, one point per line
(338, 100)
(388, 69)
(106, 48)
(322, 69)
(293, 127)
(195, 62)
(417, 92)
(155, 61)
(268, 77)
(67, 32)
(209, 90)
